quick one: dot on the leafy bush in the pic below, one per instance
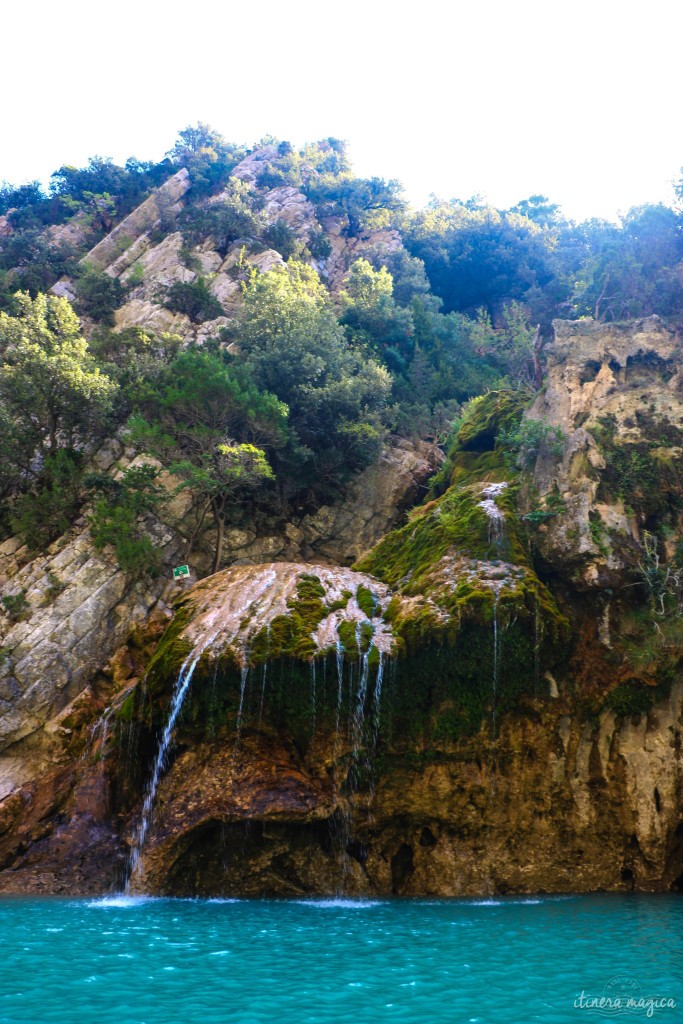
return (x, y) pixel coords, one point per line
(224, 221)
(116, 518)
(195, 299)
(525, 442)
(50, 507)
(294, 347)
(15, 605)
(319, 245)
(99, 295)
(279, 236)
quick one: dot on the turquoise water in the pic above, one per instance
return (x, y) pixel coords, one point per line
(137, 961)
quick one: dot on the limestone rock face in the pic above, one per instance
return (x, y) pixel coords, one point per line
(249, 169)
(166, 199)
(373, 502)
(561, 806)
(341, 532)
(614, 390)
(80, 609)
(233, 609)
(289, 205)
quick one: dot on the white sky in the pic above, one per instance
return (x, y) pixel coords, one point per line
(581, 102)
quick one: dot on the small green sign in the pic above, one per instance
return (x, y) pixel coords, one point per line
(181, 571)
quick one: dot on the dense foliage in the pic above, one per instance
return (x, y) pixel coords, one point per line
(279, 409)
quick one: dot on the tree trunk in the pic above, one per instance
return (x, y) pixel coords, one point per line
(220, 527)
(53, 433)
(195, 533)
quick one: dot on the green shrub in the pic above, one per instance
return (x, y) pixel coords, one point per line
(98, 295)
(48, 511)
(116, 518)
(280, 236)
(194, 299)
(15, 605)
(524, 442)
(54, 588)
(136, 275)
(319, 245)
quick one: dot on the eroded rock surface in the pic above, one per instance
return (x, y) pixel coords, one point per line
(471, 713)
(615, 392)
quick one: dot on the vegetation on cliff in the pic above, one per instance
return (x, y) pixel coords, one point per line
(375, 319)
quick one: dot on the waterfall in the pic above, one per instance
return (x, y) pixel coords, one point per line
(496, 516)
(340, 685)
(264, 678)
(244, 677)
(537, 643)
(377, 697)
(180, 690)
(358, 712)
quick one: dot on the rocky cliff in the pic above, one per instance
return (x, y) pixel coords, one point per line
(489, 701)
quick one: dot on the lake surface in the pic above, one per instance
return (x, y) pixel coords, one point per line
(156, 961)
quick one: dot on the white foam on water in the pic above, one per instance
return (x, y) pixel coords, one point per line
(119, 900)
(337, 903)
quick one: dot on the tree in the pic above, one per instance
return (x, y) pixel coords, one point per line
(189, 416)
(223, 474)
(478, 256)
(356, 199)
(538, 209)
(49, 507)
(294, 347)
(98, 294)
(225, 220)
(15, 197)
(373, 319)
(118, 509)
(206, 155)
(195, 299)
(49, 383)
(631, 270)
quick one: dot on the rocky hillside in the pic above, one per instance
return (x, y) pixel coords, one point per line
(490, 700)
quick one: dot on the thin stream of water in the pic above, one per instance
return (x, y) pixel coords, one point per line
(179, 693)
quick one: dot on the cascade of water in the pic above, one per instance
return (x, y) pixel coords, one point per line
(377, 697)
(244, 678)
(496, 516)
(264, 678)
(106, 718)
(102, 724)
(340, 685)
(180, 690)
(358, 719)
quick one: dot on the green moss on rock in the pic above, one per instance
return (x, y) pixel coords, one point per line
(475, 449)
(367, 601)
(291, 635)
(355, 637)
(170, 654)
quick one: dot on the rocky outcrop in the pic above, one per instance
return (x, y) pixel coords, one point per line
(77, 608)
(164, 202)
(80, 607)
(340, 533)
(558, 805)
(488, 702)
(615, 392)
